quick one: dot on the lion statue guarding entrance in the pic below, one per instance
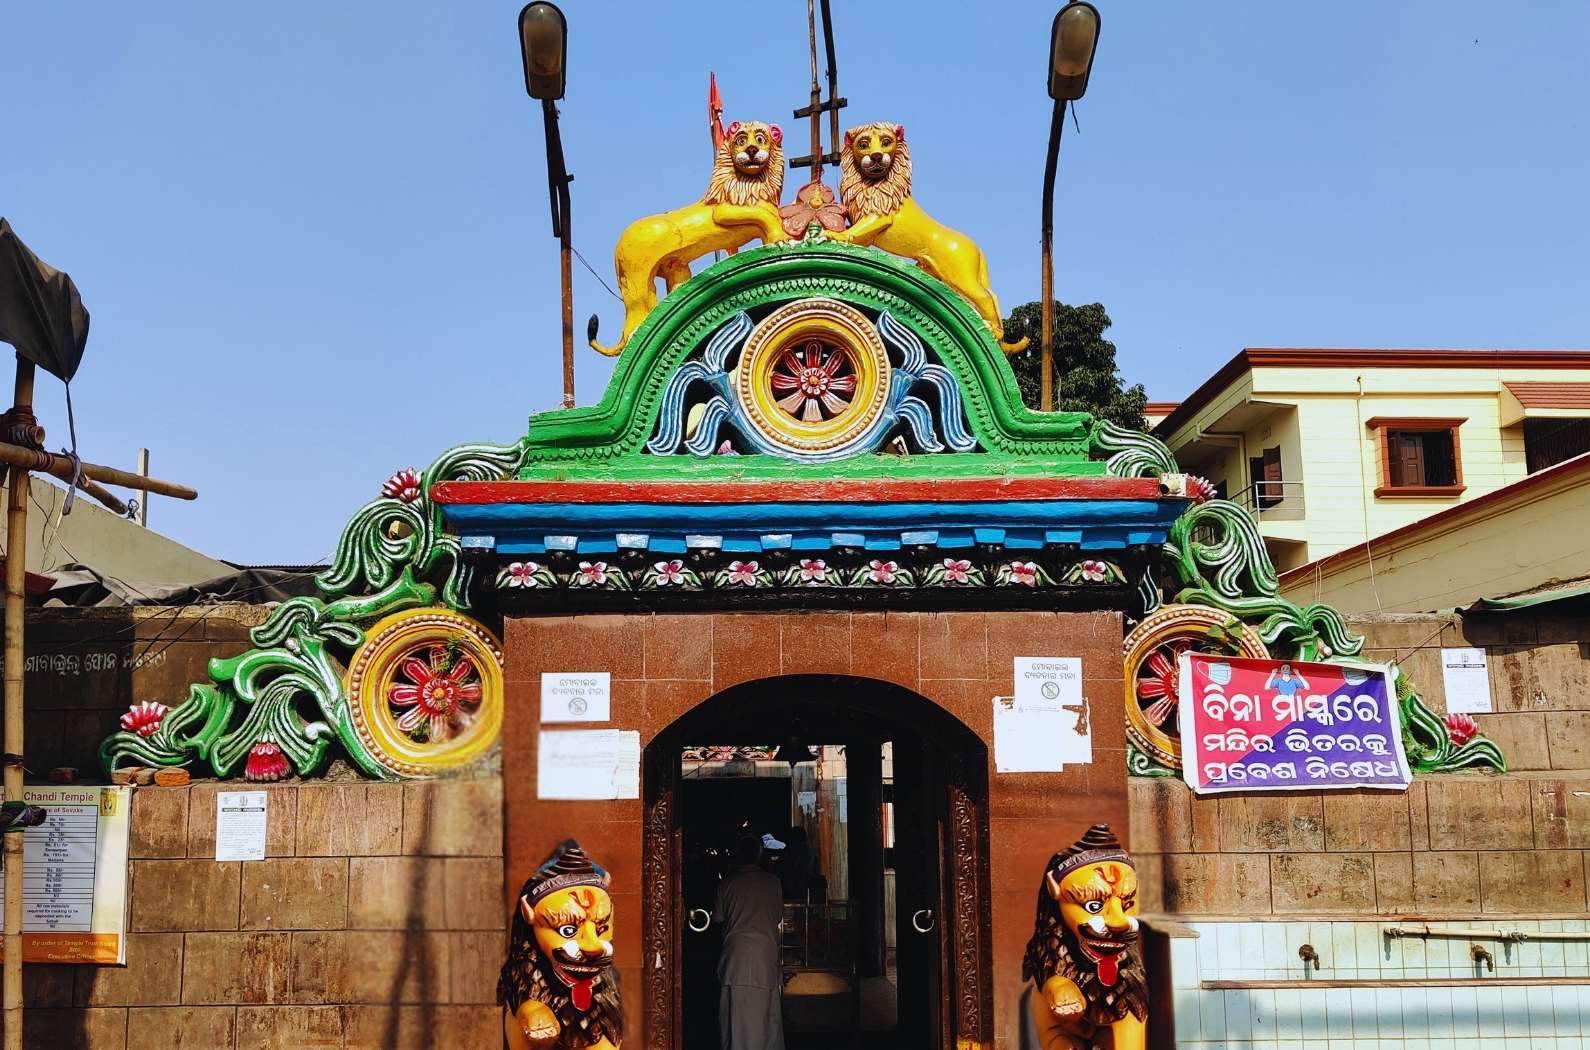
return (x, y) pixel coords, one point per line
(1083, 957)
(740, 205)
(875, 186)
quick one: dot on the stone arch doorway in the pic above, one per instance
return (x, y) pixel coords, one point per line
(940, 858)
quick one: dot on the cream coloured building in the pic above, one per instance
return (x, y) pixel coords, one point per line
(1330, 448)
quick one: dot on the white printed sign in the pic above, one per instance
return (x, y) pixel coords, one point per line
(1467, 681)
(74, 876)
(576, 696)
(1045, 725)
(573, 764)
(240, 825)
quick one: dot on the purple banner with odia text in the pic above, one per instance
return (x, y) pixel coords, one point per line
(1273, 725)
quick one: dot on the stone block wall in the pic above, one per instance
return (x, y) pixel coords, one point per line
(377, 919)
(1539, 667)
(1454, 845)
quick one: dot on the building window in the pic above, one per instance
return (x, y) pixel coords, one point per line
(1266, 473)
(1548, 442)
(1419, 457)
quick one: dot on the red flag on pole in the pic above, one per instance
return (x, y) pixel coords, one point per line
(715, 114)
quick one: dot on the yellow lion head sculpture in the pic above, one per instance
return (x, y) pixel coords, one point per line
(874, 170)
(1086, 932)
(750, 165)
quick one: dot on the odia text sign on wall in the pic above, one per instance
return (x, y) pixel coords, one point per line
(1271, 725)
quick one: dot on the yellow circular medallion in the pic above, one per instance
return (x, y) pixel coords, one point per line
(1153, 652)
(425, 690)
(813, 375)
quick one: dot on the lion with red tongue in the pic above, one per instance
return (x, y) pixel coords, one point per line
(557, 988)
(1083, 956)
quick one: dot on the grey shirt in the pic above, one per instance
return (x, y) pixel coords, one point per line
(751, 906)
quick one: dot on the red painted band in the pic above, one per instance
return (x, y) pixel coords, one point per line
(882, 490)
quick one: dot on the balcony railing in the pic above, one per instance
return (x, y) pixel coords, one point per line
(1273, 500)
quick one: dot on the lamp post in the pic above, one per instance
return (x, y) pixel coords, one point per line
(544, 44)
(1073, 39)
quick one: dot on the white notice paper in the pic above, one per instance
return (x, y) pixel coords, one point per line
(584, 764)
(628, 778)
(1045, 725)
(1468, 683)
(58, 871)
(239, 825)
(576, 696)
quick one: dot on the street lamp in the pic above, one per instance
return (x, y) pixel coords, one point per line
(544, 43)
(1073, 39)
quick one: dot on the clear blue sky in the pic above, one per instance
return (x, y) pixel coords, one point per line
(315, 240)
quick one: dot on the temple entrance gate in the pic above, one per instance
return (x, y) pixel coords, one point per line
(935, 674)
(936, 794)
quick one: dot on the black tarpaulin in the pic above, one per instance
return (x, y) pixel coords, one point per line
(40, 311)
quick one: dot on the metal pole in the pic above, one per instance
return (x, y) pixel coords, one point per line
(1046, 359)
(833, 78)
(16, 578)
(143, 472)
(558, 180)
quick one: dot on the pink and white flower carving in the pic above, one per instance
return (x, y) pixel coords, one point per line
(743, 573)
(1095, 571)
(592, 574)
(523, 574)
(670, 573)
(813, 569)
(882, 571)
(1024, 573)
(956, 571)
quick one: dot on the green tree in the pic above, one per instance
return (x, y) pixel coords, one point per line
(1085, 376)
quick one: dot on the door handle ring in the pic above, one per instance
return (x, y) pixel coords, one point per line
(706, 920)
(917, 919)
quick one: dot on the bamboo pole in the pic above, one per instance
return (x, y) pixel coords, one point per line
(104, 495)
(61, 467)
(16, 580)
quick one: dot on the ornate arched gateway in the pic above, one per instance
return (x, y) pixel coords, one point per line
(811, 488)
(811, 506)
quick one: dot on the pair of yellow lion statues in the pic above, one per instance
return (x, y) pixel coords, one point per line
(742, 204)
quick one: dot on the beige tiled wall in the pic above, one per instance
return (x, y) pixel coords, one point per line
(376, 920)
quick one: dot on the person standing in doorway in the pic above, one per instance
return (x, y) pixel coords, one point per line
(750, 907)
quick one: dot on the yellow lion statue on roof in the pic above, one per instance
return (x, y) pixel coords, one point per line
(741, 204)
(875, 185)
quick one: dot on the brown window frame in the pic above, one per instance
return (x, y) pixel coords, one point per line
(1385, 425)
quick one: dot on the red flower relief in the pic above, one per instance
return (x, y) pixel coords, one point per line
(404, 485)
(266, 762)
(144, 719)
(439, 696)
(1461, 729)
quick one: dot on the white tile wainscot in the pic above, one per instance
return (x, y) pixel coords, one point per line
(1242, 986)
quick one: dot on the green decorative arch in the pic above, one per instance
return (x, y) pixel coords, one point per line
(618, 426)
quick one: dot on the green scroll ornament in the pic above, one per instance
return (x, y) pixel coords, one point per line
(1216, 557)
(395, 554)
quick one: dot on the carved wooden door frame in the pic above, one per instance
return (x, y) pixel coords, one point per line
(661, 892)
(967, 950)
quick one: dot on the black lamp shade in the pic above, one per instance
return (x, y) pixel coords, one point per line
(1072, 42)
(543, 40)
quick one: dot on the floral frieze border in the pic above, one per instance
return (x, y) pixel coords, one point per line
(756, 574)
